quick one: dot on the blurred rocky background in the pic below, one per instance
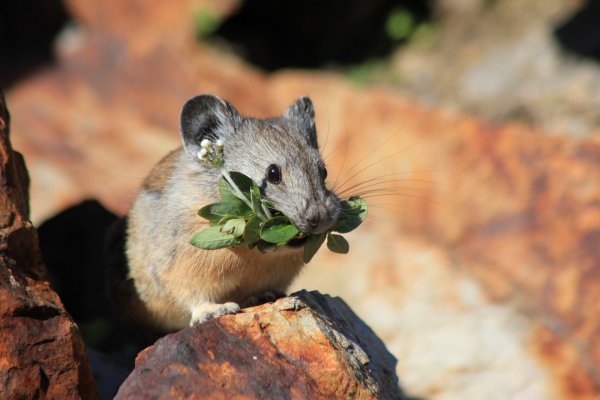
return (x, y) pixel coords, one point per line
(469, 125)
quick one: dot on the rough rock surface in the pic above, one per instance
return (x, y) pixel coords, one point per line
(514, 208)
(509, 213)
(18, 236)
(306, 346)
(505, 65)
(41, 352)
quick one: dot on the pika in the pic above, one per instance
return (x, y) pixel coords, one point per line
(174, 284)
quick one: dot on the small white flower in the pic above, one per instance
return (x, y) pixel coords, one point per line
(219, 144)
(205, 143)
(202, 153)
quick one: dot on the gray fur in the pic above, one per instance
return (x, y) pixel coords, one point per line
(206, 116)
(251, 145)
(302, 113)
(179, 283)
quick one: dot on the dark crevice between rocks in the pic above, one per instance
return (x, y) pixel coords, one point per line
(41, 313)
(18, 244)
(44, 384)
(311, 34)
(43, 342)
(27, 32)
(580, 33)
(73, 245)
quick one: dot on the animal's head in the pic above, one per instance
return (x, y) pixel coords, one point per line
(280, 154)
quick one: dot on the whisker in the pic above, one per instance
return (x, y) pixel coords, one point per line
(410, 195)
(391, 209)
(326, 135)
(346, 141)
(372, 183)
(343, 162)
(398, 190)
(385, 190)
(377, 218)
(383, 214)
(378, 178)
(367, 167)
(384, 205)
(377, 147)
(367, 193)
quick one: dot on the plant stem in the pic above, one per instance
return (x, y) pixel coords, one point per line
(242, 196)
(265, 210)
(237, 190)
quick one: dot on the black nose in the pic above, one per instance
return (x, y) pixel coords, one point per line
(313, 221)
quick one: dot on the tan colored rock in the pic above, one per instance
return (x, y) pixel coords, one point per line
(451, 340)
(306, 346)
(41, 351)
(517, 210)
(509, 209)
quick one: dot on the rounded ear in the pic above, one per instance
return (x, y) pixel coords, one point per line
(206, 117)
(303, 114)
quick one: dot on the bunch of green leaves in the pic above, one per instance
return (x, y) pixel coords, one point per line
(206, 22)
(243, 218)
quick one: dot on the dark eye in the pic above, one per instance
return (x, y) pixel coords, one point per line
(324, 173)
(273, 174)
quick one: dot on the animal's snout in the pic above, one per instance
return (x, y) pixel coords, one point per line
(313, 221)
(318, 216)
(317, 220)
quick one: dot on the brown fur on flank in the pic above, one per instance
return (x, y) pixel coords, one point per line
(173, 283)
(158, 178)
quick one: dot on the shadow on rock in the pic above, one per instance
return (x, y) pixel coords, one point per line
(311, 34)
(74, 248)
(300, 346)
(27, 32)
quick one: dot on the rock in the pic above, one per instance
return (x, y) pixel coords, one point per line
(509, 70)
(306, 346)
(41, 351)
(510, 212)
(19, 238)
(514, 208)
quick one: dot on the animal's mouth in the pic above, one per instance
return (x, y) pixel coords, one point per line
(298, 242)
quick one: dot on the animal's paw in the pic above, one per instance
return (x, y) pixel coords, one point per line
(208, 311)
(266, 297)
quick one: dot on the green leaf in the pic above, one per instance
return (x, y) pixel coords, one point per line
(337, 244)
(353, 213)
(225, 190)
(400, 24)
(256, 201)
(213, 238)
(225, 208)
(312, 245)
(278, 230)
(263, 246)
(252, 230)
(241, 223)
(234, 226)
(359, 205)
(243, 182)
(255, 190)
(205, 22)
(274, 212)
(206, 212)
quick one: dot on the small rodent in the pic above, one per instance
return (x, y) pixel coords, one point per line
(175, 284)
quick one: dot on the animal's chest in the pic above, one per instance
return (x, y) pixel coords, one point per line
(257, 273)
